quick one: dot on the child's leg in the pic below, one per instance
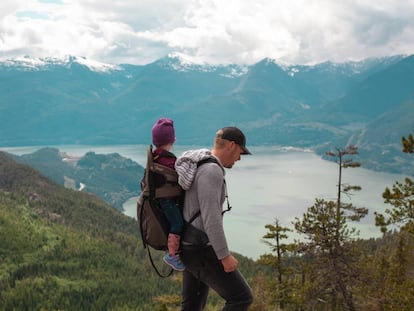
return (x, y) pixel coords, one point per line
(173, 214)
(173, 243)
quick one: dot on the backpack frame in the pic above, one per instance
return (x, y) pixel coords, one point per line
(159, 181)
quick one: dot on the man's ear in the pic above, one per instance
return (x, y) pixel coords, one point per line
(231, 145)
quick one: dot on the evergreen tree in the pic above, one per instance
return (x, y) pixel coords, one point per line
(408, 144)
(330, 241)
(401, 197)
(398, 290)
(274, 237)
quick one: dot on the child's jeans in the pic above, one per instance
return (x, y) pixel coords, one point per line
(173, 213)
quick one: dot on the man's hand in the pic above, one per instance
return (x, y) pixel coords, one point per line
(229, 263)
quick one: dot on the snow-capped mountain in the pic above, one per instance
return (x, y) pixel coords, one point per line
(76, 100)
(28, 63)
(178, 63)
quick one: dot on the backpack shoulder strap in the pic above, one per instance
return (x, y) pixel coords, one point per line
(207, 160)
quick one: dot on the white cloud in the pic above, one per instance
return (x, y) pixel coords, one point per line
(212, 31)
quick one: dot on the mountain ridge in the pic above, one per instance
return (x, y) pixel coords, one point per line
(300, 106)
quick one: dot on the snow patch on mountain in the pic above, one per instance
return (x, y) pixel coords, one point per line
(27, 63)
(96, 66)
(178, 62)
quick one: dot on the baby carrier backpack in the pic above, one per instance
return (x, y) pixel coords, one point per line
(159, 181)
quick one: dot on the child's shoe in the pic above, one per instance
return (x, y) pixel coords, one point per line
(174, 262)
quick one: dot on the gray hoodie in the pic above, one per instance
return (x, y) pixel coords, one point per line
(205, 192)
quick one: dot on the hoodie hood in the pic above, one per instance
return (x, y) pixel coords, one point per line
(186, 165)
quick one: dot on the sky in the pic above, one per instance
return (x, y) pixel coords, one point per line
(207, 31)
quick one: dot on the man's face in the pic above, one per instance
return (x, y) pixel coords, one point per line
(233, 152)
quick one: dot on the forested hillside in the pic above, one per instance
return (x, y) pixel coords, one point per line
(62, 249)
(112, 177)
(66, 250)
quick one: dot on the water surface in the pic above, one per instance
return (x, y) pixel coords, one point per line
(272, 183)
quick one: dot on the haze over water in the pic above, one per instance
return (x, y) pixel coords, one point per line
(272, 183)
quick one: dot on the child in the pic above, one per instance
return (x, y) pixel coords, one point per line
(163, 138)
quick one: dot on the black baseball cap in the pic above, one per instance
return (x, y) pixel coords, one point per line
(232, 133)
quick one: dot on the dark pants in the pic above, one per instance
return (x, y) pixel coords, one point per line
(204, 271)
(172, 211)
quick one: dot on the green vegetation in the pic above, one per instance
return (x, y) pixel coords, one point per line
(65, 250)
(332, 269)
(401, 197)
(62, 249)
(112, 177)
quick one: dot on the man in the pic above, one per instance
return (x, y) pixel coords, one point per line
(204, 251)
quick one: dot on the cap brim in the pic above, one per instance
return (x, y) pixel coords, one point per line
(245, 150)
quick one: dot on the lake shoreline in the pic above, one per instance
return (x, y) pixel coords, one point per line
(273, 182)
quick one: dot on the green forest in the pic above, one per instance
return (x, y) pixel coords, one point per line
(62, 249)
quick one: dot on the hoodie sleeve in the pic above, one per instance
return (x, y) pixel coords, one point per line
(210, 182)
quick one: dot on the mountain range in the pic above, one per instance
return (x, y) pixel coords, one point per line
(77, 101)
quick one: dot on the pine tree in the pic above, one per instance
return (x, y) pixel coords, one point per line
(273, 238)
(330, 240)
(401, 197)
(399, 286)
(408, 144)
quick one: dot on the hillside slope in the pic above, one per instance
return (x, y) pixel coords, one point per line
(67, 250)
(62, 249)
(113, 178)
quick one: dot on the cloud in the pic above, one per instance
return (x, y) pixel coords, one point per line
(209, 31)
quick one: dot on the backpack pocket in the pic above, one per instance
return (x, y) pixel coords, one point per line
(194, 236)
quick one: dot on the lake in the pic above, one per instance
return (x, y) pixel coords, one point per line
(272, 183)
